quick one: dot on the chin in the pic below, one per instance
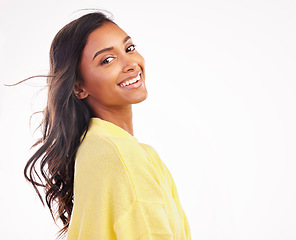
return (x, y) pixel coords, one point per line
(140, 98)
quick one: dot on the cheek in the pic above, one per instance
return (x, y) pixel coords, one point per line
(101, 84)
(98, 79)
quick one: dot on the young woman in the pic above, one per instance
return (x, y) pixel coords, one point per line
(104, 182)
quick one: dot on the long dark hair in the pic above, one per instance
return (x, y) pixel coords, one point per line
(65, 120)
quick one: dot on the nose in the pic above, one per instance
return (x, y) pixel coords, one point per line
(129, 65)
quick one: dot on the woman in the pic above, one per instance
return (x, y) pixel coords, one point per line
(106, 184)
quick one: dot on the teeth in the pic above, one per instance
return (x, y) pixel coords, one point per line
(131, 81)
(138, 77)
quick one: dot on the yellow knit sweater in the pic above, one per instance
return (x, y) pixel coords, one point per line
(122, 190)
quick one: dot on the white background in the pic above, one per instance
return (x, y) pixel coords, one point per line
(220, 112)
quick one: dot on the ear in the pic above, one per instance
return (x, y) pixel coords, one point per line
(79, 90)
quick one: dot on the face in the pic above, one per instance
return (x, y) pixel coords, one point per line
(112, 71)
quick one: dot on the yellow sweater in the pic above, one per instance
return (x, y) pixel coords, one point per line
(122, 190)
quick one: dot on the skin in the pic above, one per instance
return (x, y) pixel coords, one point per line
(108, 59)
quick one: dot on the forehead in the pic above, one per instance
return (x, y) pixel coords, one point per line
(108, 35)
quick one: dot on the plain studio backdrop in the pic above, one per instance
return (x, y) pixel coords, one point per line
(221, 108)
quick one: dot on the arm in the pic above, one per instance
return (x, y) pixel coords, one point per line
(116, 195)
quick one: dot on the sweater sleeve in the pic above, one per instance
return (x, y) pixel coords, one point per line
(117, 195)
(148, 217)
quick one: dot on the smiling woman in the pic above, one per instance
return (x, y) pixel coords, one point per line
(107, 185)
(112, 78)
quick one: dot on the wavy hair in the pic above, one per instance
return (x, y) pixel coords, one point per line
(65, 120)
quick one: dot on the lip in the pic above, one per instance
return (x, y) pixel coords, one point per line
(135, 85)
(131, 77)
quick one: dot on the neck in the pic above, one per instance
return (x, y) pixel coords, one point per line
(121, 116)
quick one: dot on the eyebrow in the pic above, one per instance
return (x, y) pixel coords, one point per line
(110, 48)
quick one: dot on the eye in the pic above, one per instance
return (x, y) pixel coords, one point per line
(107, 60)
(131, 48)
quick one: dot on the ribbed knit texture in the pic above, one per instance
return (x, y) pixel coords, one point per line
(122, 190)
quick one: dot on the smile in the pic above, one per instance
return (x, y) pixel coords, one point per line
(131, 81)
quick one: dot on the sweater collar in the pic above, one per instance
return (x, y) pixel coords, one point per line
(97, 125)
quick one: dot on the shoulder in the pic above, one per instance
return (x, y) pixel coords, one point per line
(150, 150)
(113, 160)
(108, 156)
(100, 171)
(95, 147)
(98, 160)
